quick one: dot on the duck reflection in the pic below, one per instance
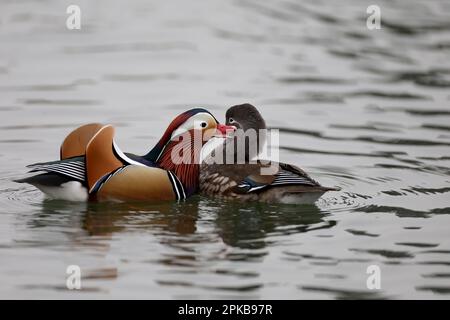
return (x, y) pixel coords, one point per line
(193, 234)
(104, 219)
(252, 225)
(107, 218)
(246, 226)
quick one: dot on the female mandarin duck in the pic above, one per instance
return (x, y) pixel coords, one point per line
(91, 166)
(245, 180)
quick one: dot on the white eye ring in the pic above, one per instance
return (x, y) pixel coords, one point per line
(203, 124)
(231, 120)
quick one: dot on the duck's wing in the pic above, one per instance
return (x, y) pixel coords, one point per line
(226, 178)
(104, 156)
(97, 159)
(284, 175)
(101, 159)
(72, 164)
(289, 174)
(74, 145)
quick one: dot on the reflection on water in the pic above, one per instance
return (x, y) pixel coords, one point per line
(366, 111)
(237, 226)
(242, 234)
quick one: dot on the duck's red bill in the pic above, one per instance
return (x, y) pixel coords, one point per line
(224, 129)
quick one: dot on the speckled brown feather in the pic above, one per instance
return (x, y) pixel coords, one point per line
(222, 179)
(76, 142)
(138, 183)
(246, 181)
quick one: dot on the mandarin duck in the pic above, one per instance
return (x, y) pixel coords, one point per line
(92, 167)
(253, 179)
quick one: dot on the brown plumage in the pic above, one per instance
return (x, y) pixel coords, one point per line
(257, 181)
(245, 182)
(138, 183)
(91, 166)
(100, 159)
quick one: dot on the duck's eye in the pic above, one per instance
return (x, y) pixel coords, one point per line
(203, 124)
(231, 120)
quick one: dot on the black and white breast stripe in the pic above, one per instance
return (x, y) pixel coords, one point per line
(287, 177)
(177, 186)
(72, 169)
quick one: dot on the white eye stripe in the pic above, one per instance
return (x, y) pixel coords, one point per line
(194, 122)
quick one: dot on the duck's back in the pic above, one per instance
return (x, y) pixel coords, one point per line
(255, 182)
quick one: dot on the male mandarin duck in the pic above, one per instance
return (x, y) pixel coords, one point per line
(244, 180)
(91, 165)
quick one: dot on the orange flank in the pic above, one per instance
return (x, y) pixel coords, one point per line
(138, 183)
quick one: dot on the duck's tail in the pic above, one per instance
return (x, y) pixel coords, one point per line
(57, 186)
(73, 168)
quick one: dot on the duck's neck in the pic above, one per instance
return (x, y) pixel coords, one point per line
(239, 148)
(155, 153)
(181, 158)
